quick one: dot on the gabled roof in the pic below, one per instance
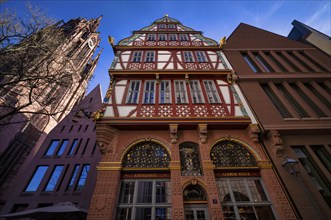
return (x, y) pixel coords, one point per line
(166, 19)
(247, 36)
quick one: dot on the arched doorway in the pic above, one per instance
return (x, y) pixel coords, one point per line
(195, 203)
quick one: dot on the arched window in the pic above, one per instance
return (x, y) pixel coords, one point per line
(228, 153)
(146, 154)
(190, 159)
(194, 193)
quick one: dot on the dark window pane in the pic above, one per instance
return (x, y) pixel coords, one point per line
(145, 192)
(123, 213)
(73, 177)
(126, 192)
(143, 214)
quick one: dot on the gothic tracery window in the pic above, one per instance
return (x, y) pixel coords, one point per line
(146, 154)
(227, 153)
(190, 159)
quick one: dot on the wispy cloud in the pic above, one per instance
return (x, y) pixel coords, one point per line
(263, 17)
(318, 19)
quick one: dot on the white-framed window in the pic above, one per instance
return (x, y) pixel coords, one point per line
(188, 56)
(162, 37)
(149, 92)
(162, 26)
(150, 56)
(133, 93)
(196, 92)
(201, 56)
(244, 198)
(151, 37)
(183, 37)
(165, 91)
(136, 58)
(171, 26)
(180, 91)
(211, 91)
(172, 37)
(144, 199)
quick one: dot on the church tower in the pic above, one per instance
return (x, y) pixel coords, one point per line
(21, 134)
(177, 138)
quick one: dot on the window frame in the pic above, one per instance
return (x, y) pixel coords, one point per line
(165, 92)
(179, 93)
(183, 37)
(162, 37)
(135, 93)
(133, 206)
(234, 203)
(196, 92)
(149, 93)
(150, 56)
(211, 90)
(188, 56)
(137, 56)
(151, 37)
(173, 37)
(201, 56)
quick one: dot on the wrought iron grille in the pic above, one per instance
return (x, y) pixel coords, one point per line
(229, 153)
(146, 154)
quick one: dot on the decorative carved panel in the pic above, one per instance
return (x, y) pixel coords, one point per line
(190, 159)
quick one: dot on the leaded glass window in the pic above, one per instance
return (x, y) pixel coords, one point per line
(201, 56)
(229, 153)
(183, 37)
(146, 154)
(150, 57)
(162, 37)
(190, 159)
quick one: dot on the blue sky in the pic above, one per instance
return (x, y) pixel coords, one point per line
(216, 18)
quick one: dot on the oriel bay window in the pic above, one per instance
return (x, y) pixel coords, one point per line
(149, 93)
(144, 200)
(196, 93)
(133, 93)
(180, 91)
